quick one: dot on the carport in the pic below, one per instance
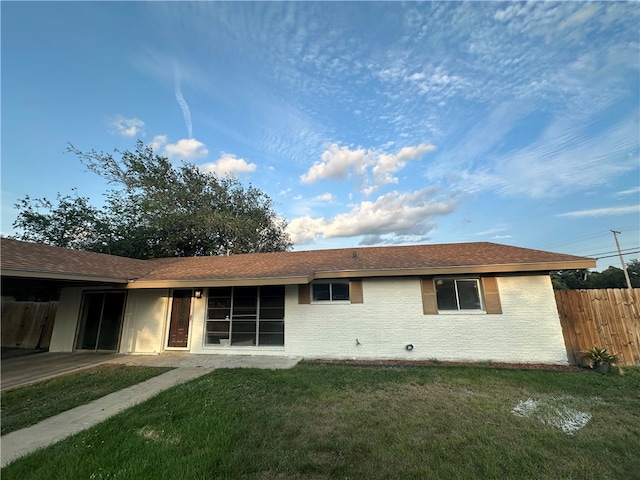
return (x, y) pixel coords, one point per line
(33, 276)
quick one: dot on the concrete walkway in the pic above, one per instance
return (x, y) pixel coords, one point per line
(188, 367)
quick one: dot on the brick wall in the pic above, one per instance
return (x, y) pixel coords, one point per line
(391, 317)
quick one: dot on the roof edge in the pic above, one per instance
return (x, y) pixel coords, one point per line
(302, 279)
(48, 275)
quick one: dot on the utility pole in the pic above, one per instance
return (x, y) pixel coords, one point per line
(624, 266)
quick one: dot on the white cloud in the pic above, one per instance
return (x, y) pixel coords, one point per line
(158, 143)
(387, 165)
(228, 164)
(569, 157)
(630, 191)
(396, 214)
(340, 162)
(336, 163)
(495, 230)
(325, 197)
(129, 127)
(602, 212)
(185, 149)
(580, 16)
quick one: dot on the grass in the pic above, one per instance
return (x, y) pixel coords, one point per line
(352, 422)
(29, 405)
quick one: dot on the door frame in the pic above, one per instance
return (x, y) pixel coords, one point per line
(167, 330)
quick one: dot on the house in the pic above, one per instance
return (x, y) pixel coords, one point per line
(452, 302)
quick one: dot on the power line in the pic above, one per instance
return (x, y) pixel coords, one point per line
(577, 239)
(588, 236)
(606, 253)
(609, 256)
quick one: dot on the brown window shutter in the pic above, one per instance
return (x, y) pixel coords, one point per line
(355, 291)
(429, 301)
(491, 295)
(304, 294)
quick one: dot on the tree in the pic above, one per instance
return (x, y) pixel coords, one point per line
(157, 210)
(71, 223)
(612, 277)
(569, 279)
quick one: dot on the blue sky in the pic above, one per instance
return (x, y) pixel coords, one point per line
(366, 123)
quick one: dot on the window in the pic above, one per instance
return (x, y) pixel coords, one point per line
(458, 294)
(330, 291)
(250, 316)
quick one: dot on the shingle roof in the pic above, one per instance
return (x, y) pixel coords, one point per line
(36, 260)
(369, 261)
(290, 267)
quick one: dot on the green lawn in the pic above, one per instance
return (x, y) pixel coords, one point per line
(352, 422)
(27, 406)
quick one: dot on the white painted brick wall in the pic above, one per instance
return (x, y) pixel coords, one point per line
(391, 317)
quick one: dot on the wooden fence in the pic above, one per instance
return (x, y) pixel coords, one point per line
(28, 324)
(606, 318)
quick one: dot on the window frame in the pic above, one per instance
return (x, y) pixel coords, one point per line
(458, 310)
(244, 317)
(331, 300)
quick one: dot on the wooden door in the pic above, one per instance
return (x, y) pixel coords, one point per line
(180, 316)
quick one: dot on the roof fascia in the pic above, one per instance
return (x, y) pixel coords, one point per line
(298, 280)
(218, 282)
(10, 272)
(460, 270)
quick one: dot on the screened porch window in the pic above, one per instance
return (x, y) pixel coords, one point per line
(245, 316)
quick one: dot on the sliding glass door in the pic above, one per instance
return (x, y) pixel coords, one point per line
(101, 320)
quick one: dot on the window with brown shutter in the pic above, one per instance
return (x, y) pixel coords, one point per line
(460, 294)
(331, 291)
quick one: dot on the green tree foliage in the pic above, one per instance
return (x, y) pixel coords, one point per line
(612, 277)
(72, 222)
(156, 210)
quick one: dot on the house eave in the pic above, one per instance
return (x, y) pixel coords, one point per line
(460, 270)
(544, 267)
(49, 275)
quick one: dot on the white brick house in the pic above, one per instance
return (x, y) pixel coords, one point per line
(462, 302)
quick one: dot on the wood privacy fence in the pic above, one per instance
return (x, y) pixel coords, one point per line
(28, 324)
(605, 318)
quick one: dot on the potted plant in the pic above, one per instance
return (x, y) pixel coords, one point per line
(599, 359)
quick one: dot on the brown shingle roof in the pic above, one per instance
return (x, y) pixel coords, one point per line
(36, 260)
(292, 267)
(370, 261)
